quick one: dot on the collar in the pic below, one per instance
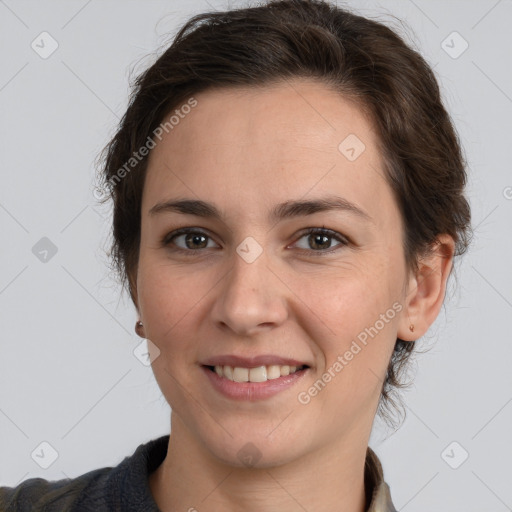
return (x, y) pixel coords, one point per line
(377, 490)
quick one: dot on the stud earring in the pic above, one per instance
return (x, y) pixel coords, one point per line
(411, 327)
(138, 329)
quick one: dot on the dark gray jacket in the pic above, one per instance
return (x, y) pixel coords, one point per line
(125, 488)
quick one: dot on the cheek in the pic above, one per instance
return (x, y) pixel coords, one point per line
(346, 300)
(360, 312)
(167, 298)
(169, 302)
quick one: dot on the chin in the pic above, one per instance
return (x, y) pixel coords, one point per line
(253, 451)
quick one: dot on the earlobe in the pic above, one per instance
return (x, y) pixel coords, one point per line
(139, 329)
(426, 290)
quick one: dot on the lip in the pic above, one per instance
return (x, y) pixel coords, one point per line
(251, 362)
(252, 391)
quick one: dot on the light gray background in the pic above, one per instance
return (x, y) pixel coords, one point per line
(68, 375)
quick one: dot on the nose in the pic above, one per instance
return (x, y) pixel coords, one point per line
(251, 298)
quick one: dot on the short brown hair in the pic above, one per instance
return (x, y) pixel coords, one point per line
(362, 59)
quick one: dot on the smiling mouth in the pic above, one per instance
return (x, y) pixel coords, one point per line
(257, 374)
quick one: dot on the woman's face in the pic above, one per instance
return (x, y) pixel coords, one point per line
(250, 283)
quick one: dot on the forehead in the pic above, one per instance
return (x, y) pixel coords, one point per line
(255, 147)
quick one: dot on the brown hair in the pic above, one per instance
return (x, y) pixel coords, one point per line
(362, 59)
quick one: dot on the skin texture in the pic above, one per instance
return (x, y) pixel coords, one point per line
(246, 150)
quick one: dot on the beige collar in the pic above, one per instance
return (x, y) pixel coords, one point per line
(378, 492)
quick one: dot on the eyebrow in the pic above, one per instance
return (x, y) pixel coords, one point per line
(286, 210)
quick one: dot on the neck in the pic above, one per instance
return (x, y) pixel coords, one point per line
(192, 479)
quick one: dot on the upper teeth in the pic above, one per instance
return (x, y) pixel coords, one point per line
(259, 374)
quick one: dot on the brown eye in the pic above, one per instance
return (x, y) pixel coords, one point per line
(320, 240)
(195, 241)
(188, 240)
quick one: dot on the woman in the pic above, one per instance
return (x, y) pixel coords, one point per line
(288, 196)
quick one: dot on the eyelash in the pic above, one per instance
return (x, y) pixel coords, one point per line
(167, 240)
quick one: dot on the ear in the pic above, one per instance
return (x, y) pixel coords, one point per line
(426, 290)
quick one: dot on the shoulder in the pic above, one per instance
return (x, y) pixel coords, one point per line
(123, 487)
(38, 494)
